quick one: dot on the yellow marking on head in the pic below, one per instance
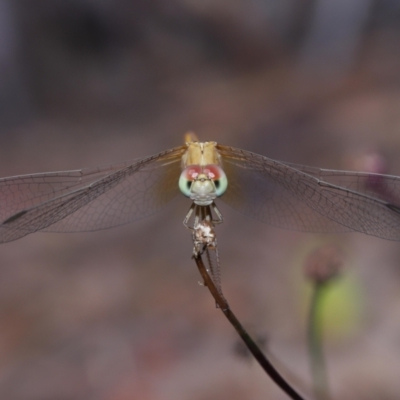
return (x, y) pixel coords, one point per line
(190, 137)
(201, 153)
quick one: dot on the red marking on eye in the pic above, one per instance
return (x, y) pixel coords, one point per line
(192, 172)
(213, 171)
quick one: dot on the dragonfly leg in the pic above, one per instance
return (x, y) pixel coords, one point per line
(188, 215)
(219, 219)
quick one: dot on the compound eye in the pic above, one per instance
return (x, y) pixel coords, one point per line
(217, 175)
(188, 175)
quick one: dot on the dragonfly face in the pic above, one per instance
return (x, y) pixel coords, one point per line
(203, 184)
(202, 178)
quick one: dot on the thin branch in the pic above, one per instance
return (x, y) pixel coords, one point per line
(249, 342)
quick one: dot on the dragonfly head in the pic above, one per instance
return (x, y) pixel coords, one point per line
(203, 184)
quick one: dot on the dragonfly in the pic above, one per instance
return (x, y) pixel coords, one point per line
(281, 194)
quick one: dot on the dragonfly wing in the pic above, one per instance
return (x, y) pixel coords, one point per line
(22, 192)
(288, 197)
(382, 187)
(109, 197)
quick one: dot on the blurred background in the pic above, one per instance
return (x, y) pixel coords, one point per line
(119, 314)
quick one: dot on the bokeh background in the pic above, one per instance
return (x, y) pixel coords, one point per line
(119, 314)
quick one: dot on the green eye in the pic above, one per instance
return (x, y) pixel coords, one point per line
(221, 184)
(187, 177)
(185, 185)
(217, 175)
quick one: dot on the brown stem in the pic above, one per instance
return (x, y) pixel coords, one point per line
(249, 342)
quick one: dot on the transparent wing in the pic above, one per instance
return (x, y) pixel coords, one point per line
(310, 199)
(382, 187)
(88, 199)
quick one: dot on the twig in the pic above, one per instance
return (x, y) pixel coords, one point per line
(251, 345)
